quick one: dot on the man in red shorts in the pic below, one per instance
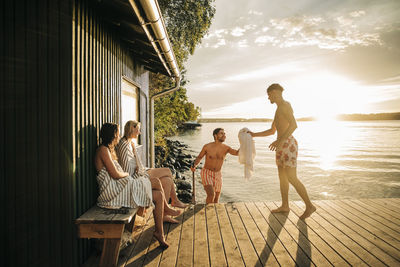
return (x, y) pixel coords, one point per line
(286, 150)
(215, 153)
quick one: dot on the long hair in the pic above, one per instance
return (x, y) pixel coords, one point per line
(108, 133)
(128, 129)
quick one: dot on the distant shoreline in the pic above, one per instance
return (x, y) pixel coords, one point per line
(342, 117)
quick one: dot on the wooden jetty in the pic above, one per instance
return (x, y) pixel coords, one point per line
(362, 232)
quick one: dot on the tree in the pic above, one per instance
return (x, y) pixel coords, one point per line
(187, 22)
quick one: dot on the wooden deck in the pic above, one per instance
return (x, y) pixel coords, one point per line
(363, 232)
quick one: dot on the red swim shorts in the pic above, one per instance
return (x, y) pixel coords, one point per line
(213, 178)
(286, 156)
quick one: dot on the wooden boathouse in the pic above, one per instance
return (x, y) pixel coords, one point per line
(67, 67)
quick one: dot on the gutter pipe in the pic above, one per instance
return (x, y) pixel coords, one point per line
(155, 30)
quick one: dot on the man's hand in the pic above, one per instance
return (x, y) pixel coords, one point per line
(193, 168)
(275, 145)
(251, 133)
(137, 169)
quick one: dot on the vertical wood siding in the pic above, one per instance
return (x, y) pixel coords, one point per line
(61, 74)
(36, 69)
(100, 60)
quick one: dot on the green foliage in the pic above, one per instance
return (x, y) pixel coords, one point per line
(187, 22)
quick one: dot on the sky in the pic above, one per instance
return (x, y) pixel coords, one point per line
(332, 57)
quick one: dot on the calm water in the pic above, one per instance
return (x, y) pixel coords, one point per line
(337, 160)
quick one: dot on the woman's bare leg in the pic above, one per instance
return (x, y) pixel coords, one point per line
(158, 213)
(165, 177)
(156, 185)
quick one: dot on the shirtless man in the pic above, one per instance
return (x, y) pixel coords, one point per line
(215, 153)
(286, 150)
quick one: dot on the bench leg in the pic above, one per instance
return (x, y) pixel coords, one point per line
(109, 257)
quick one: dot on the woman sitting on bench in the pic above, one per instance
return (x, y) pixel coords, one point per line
(130, 162)
(118, 189)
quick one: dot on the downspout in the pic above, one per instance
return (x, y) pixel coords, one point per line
(154, 27)
(152, 137)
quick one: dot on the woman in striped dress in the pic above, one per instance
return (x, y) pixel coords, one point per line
(130, 162)
(118, 189)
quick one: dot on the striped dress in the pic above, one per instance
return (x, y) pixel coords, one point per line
(124, 192)
(129, 159)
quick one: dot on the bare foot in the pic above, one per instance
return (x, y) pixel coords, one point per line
(172, 212)
(161, 240)
(179, 204)
(168, 219)
(280, 210)
(307, 213)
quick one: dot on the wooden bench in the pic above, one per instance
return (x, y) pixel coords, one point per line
(108, 225)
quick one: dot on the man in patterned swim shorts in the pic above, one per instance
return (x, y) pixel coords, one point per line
(286, 150)
(215, 153)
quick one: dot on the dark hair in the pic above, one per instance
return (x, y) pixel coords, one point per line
(275, 86)
(107, 133)
(216, 131)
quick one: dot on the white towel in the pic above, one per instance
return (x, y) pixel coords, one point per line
(247, 152)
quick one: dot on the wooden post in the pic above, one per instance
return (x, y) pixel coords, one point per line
(193, 189)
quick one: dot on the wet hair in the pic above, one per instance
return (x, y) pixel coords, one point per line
(216, 131)
(129, 126)
(107, 133)
(274, 86)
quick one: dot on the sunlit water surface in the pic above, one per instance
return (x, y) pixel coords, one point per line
(337, 160)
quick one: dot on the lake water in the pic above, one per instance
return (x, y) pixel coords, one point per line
(337, 160)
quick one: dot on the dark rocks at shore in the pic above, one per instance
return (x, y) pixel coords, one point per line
(175, 157)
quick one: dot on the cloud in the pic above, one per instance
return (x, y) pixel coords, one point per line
(253, 12)
(334, 33)
(237, 31)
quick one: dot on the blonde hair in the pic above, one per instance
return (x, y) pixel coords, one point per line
(128, 129)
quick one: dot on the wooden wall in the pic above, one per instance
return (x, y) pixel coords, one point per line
(61, 72)
(99, 62)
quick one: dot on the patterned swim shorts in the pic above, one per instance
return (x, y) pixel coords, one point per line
(213, 178)
(286, 156)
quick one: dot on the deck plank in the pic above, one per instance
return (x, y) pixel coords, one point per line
(353, 231)
(275, 248)
(232, 251)
(200, 250)
(382, 210)
(185, 253)
(319, 251)
(382, 218)
(215, 245)
(257, 239)
(361, 229)
(137, 253)
(340, 255)
(276, 222)
(250, 256)
(303, 243)
(371, 217)
(359, 232)
(389, 203)
(169, 255)
(379, 230)
(332, 225)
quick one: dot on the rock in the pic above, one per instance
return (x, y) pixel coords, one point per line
(184, 196)
(183, 185)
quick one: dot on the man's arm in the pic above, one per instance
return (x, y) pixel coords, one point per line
(233, 151)
(268, 132)
(198, 159)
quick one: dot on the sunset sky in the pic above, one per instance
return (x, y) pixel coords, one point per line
(332, 57)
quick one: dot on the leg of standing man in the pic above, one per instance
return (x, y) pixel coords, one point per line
(301, 190)
(284, 186)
